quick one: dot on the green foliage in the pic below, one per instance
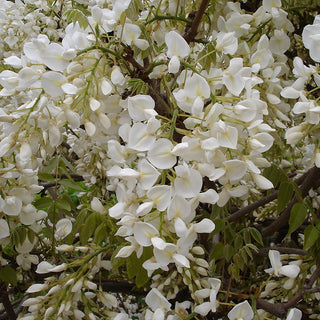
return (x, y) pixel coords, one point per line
(8, 275)
(311, 235)
(89, 227)
(275, 174)
(134, 270)
(79, 15)
(207, 57)
(137, 86)
(297, 216)
(69, 184)
(285, 195)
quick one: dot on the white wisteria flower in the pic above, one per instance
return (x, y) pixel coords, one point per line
(290, 270)
(158, 303)
(241, 311)
(294, 314)
(311, 39)
(63, 228)
(141, 107)
(4, 229)
(177, 48)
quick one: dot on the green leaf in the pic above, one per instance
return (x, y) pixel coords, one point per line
(247, 249)
(43, 203)
(88, 228)
(256, 235)
(238, 260)
(100, 233)
(132, 266)
(43, 176)
(219, 225)
(68, 164)
(311, 235)
(217, 251)
(142, 277)
(238, 242)
(246, 236)
(31, 235)
(77, 15)
(117, 262)
(275, 174)
(69, 184)
(63, 204)
(228, 252)
(234, 270)
(297, 216)
(51, 165)
(19, 235)
(284, 195)
(8, 275)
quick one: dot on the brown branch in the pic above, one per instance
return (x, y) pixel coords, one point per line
(4, 298)
(253, 206)
(192, 32)
(281, 309)
(261, 202)
(315, 276)
(311, 180)
(47, 184)
(265, 251)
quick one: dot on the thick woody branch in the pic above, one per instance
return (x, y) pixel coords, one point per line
(261, 202)
(311, 181)
(281, 309)
(284, 250)
(253, 206)
(192, 32)
(4, 299)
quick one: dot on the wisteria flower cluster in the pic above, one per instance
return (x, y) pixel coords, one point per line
(159, 160)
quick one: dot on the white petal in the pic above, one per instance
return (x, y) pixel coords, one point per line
(4, 229)
(262, 182)
(106, 87)
(25, 152)
(125, 252)
(290, 93)
(97, 206)
(290, 270)
(160, 154)
(210, 196)
(37, 287)
(12, 206)
(90, 128)
(181, 260)
(104, 120)
(138, 105)
(94, 104)
(177, 45)
(54, 135)
(51, 83)
(69, 88)
(294, 314)
(204, 226)
(43, 267)
(158, 243)
(155, 300)
(203, 308)
(242, 310)
(144, 232)
(174, 65)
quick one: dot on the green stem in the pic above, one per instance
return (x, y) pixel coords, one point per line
(173, 124)
(181, 19)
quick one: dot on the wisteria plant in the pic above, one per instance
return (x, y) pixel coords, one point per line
(159, 159)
